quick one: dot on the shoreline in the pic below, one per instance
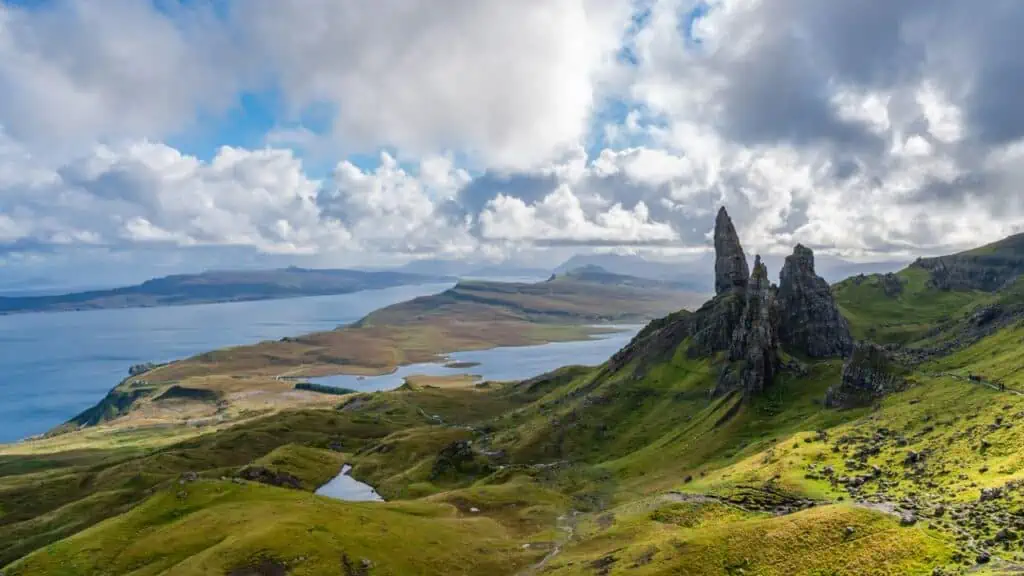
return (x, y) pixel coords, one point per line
(233, 381)
(587, 332)
(444, 358)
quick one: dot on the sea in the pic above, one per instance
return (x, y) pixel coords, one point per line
(53, 365)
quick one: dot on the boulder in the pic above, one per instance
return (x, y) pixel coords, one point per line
(869, 373)
(265, 475)
(892, 285)
(810, 321)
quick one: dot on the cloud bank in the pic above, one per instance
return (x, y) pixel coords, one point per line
(490, 128)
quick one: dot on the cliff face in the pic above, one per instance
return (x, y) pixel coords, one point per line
(988, 268)
(749, 320)
(754, 352)
(810, 321)
(987, 273)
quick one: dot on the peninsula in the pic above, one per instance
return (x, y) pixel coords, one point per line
(219, 286)
(224, 385)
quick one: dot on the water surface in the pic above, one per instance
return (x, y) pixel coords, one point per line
(53, 365)
(345, 487)
(498, 364)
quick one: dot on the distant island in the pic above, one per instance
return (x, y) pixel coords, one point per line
(219, 286)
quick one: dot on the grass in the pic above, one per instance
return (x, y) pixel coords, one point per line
(214, 527)
(312, 466)
(996, 358)
(46, 496)
(669, 435)
(900, 318)
(636, 470)
(715, 541)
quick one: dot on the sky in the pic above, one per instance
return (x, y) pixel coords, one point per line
(139, 136)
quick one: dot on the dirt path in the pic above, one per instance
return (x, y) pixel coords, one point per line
(567, 526)
(993, 385)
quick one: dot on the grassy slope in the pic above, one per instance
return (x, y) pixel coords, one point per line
(900, 318)
(45, 496)
(625, 475)
(217, 527)
(759, 452)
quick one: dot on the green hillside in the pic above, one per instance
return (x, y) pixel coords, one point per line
(707, 446)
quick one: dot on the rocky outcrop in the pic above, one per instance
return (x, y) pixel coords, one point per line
(458, 459)
(868, 374)
(748, 322)
(709, 329)
(271, 477)
(810, 321)
(731, 271)
(892, 285)
(754, 352)
(987, 271)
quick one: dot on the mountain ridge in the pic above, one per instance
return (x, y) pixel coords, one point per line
(217, 286)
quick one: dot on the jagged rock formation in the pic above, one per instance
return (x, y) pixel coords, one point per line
(731, 269)
(754, 351)
(869, 373)
(749, 319)
(458, 458)
(810, 321)
(741, 321)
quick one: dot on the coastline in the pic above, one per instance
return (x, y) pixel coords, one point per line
(229, 384)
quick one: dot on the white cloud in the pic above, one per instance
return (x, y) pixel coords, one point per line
(559, 218)
(152, 193)
(861, 128)
(392, 210)
(512, 83)
(74, 71)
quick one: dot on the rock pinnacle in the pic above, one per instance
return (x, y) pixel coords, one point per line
(731, 269)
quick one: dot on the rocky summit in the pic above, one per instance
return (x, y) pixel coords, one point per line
(750, 319)
(810, 321)
(731, 270)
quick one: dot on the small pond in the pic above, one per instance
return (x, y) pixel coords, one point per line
(345, 487)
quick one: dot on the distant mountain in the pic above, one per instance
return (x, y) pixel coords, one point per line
(598, 275)
(471, 269)
(692, 274)
(219, 286)
(624, 264)
(45, 286)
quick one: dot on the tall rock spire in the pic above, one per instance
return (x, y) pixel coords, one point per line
(755, 340)
(731, 269)
(810, 320)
